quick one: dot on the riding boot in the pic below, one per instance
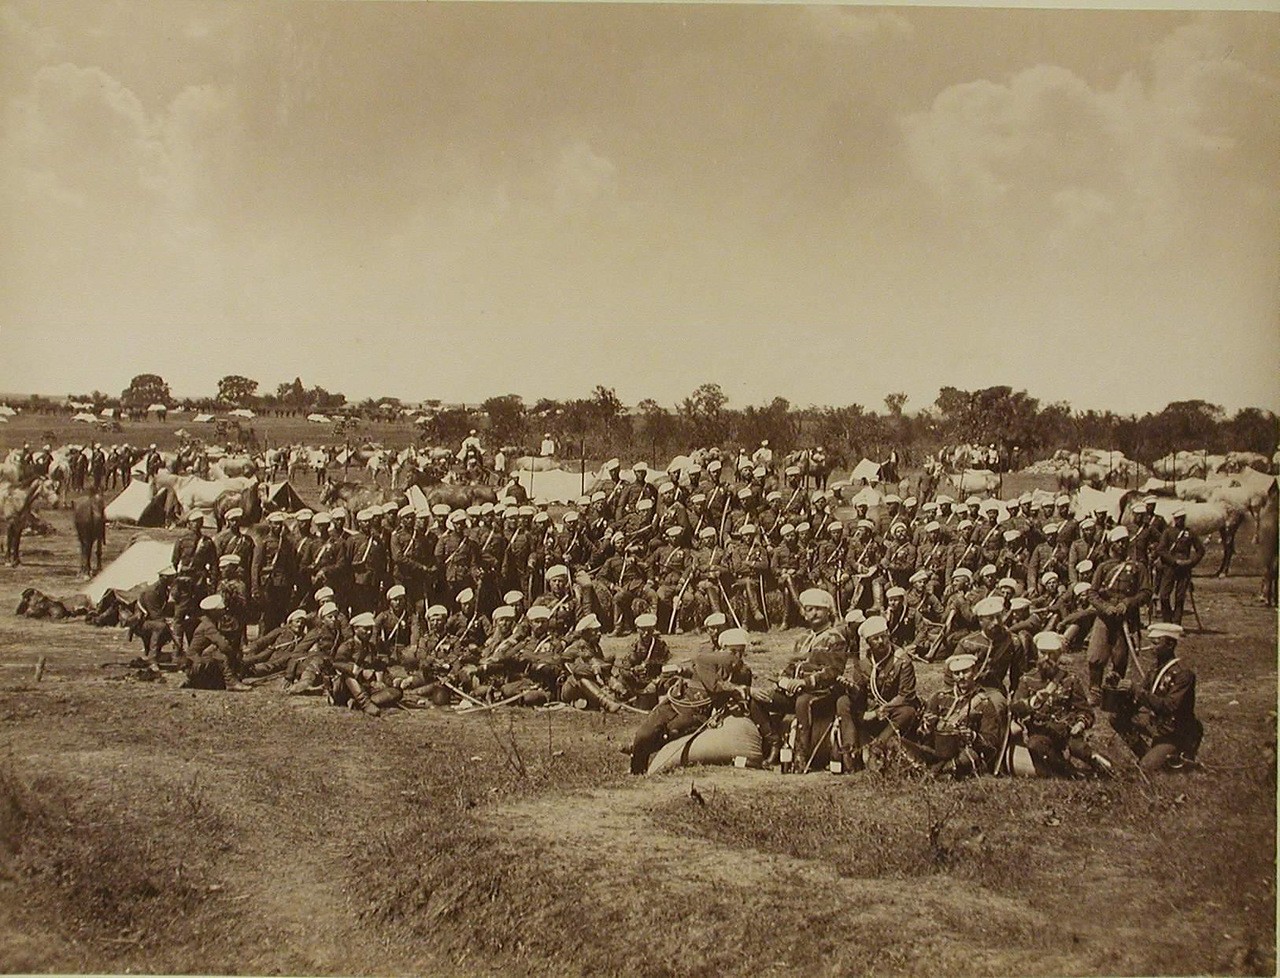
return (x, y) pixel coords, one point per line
(229, 678)
(305, 683)
(1095, 683)
(359, 699)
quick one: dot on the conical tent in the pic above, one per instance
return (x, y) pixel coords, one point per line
(139, 504)
(137, 567)
(282, 495)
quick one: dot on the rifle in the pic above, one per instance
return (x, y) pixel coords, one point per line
(937, 642)
(675, 603)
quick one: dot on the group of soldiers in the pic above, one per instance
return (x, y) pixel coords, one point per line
(504, 603)
(856, 686)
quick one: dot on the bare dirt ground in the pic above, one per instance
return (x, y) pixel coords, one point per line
(148, 828)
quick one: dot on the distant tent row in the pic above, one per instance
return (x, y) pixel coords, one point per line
(141, 504)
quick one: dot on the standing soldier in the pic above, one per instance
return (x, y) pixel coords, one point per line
(195, 558)
(234, 540)
(332, 567)
(410, 555)
(274, 571)
(458, 556)
(368, 558)
(1121, 589)
(1179, 551)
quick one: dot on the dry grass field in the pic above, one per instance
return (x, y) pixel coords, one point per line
(148, 828)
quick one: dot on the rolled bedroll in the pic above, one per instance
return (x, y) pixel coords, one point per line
(734, 737)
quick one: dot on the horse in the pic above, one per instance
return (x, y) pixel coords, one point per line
(248, 499)
(355, 496)
(1268, 540)
(91, 530)
(17, 503)
(380, 462)
(1203, 519)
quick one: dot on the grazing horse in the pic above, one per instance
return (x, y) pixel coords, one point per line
(91, 529)
(17, 503)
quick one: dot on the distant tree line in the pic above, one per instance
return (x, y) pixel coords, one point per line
(600, 425)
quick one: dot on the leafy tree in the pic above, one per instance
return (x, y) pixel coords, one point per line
(703, 412)
(506, 418)
(658, 426)
(1253, 430)
(895, 403)
(606, 406)
(237, 390)
(145, 390)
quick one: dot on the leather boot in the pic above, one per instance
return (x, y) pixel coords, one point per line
(230, 680)
(1095, 683)
(359, 698)
(305, 683)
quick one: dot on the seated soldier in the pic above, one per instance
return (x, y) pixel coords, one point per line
(212, 657)
(892, 706)
(398, 627)
(537, 660)
(273, 651)
(1052, 712)
(687, 706)
(159, 616)
(1160, 724)
(812, 682)
(467, 625)
(359, 679)
(636, 672)
(962, 729)
(586, 682)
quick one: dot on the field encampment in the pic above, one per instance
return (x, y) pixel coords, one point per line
(149, 828)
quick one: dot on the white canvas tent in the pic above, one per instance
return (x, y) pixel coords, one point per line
(318, 418)
(203, 418)
(138, 566)
(138, 503)
(552, 486)
(866, 469)
(7, 411)
(241, 413)
(84, 418)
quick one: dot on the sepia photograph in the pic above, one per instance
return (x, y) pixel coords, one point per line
(654, 490)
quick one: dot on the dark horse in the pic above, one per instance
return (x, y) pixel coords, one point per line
(91, 529)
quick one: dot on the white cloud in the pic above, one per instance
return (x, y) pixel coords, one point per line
(1046, 150)
(852, 24)
(583, 177)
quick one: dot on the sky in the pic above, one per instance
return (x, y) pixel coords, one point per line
(458, 200)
